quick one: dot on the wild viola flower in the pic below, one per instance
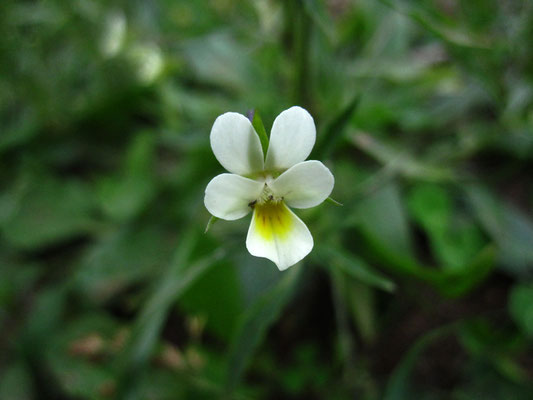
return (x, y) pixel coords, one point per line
(269, 185)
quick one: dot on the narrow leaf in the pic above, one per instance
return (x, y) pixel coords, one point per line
(461, 281)
(520, 309)
(334, 130)
(255, 323)
(355, 267)
(451, 34)
(399, 161)
(398, 385)
(318, 13)
(177, 279)
(511, 229)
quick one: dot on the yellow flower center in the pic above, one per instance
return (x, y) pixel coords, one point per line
(273, 219)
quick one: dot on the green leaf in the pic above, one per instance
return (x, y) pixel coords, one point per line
(318, 13)
(120, 259)
(16, 279)
(382, 215)
(455, 239)
(457, 282)
(16, 383)
(431, 207)
(488, 340)
(220, 60)
(48, 211)
(333, 132)
(257, 123)
(45, 317)
(180, 275)
(400, 161)
(124, 196)
(449, 33)
(398, 384)
(70, 351)
(511, 229)
(355, 267)
(521, 307)
(224, 303)
(362, 301)
(450, 282)
(254, 324)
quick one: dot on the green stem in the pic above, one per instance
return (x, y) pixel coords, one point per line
(301, 37)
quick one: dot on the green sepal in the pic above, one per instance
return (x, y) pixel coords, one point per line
(257, 123)
(334, 202)
(210, 223)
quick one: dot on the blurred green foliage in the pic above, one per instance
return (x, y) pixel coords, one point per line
(419, 286)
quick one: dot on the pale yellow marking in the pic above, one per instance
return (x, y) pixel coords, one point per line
(273, 220)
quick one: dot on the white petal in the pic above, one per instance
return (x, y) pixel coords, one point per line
(228, 196)
(305, 185)
(278, 234)
(292, 138)
(236, 144)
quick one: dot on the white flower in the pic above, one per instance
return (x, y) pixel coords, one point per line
(268, 187)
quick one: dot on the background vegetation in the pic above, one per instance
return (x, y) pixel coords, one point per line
(420, 286)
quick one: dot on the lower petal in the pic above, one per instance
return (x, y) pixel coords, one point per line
(278, 234)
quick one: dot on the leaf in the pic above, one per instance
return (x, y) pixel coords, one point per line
(124, 196)
(48, 211)
(16, 279)
(455, 239)
(340, 297)
(431, 207)
(254, 324)
(334, 130)
(44, 318)
(511, 229)
(382, 216)
(16, 383)
(220, 60)
(400, 161)
(180, 275)
(122, 258)
(71, 351)
(319, 15)
(224, 303)
(447, 32)
(450, 282)
(397, 387)
(355, 267)
(462, 280)
(521, 307)
(490, 341)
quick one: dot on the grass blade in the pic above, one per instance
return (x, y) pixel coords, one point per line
(177, 279)
(255, 324)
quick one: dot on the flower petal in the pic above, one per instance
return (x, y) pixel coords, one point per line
(278, 234)
(305, 185)
(292, 138)
(236, 144)
(228, 196)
